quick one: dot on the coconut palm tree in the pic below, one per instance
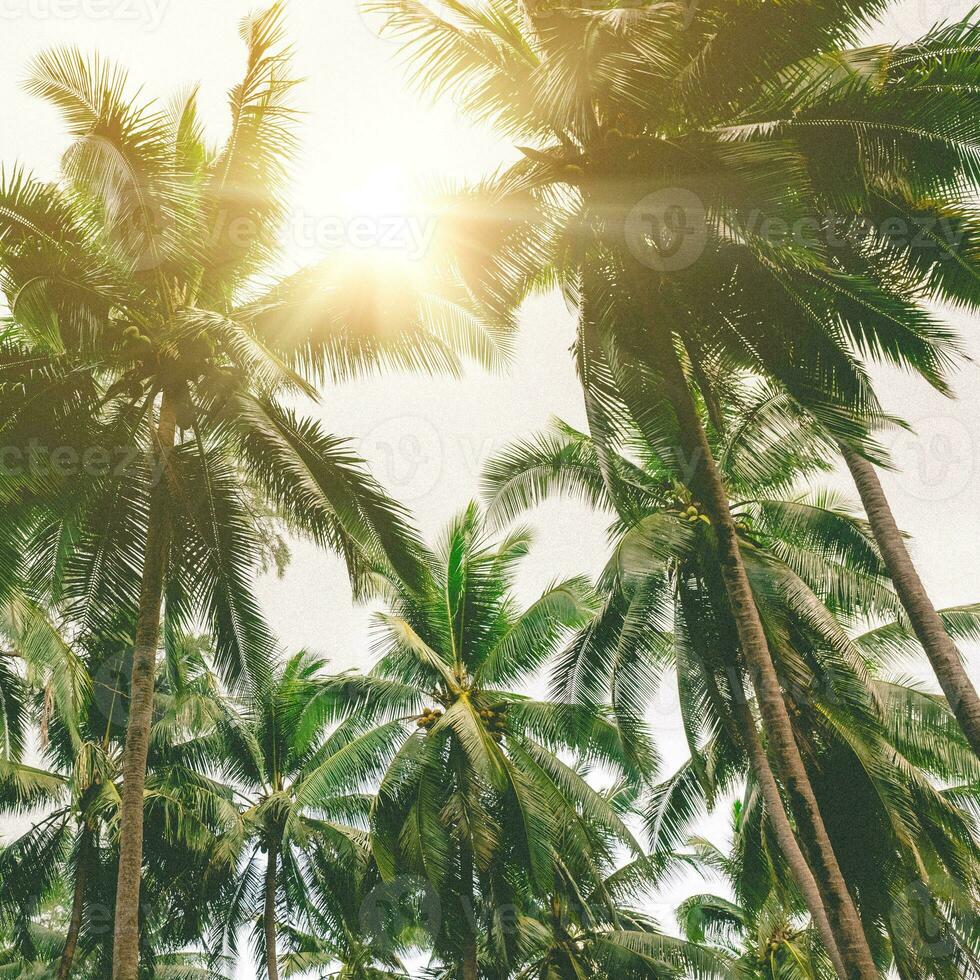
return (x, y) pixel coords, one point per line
(72, 849)
(914, 881)
(762, 929)
(662, 146)
(35, 656)
(805, 553)
(301, 793)
(148, 364)
(764, 455)
(361, 927)
(476, 785)
(603, 933)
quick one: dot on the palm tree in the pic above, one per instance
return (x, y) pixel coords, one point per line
(475, 786)
(301, 793)
(601, 933)
(911, 858)
(677, 119)
(34, 656)
(361, 927)
(764, 454)
(761, 928)
(143, 343)
(73, 848)
(14, 966)
(804, 551)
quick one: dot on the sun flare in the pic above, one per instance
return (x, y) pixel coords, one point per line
(383, 219)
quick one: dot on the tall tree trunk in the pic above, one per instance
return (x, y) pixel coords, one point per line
(706, 482)
(269, 913)
(77, 904)
(470, 961)
(789, 846)
(125, 949)
(748, 734)
(927, 623)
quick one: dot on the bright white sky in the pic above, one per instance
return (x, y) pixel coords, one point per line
(363, 141)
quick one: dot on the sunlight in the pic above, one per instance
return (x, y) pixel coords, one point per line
(385, 190)
(382, 220)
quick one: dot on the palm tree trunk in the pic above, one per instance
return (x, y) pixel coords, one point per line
(77, 905)
(927, 623)
(748, 734)
(470, 963)
(706, 481)
(789, 846)
(269, 914)
(125, 950)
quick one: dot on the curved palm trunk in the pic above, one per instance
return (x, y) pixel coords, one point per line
(269, 913)
(789, 846)
(77, 905)
(927, 623)
(125, 949)
(706, 481)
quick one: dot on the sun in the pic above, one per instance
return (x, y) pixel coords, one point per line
(385, 190)
(382, 218)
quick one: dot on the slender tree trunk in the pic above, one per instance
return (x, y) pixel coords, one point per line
(77, 905)
(705, 480)
(927, 623)
(125, 950)
(269, 914)
(470, 962)
(789, 846)
(759, 765)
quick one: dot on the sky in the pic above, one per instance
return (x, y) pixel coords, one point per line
(365, 140)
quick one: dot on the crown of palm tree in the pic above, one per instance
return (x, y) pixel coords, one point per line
(144, 271)
(764, 930)
(302, 793)
(478, 787)
(629, 107)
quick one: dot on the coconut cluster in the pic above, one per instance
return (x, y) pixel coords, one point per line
(691, 513)
(428, 718)
(495, 720)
